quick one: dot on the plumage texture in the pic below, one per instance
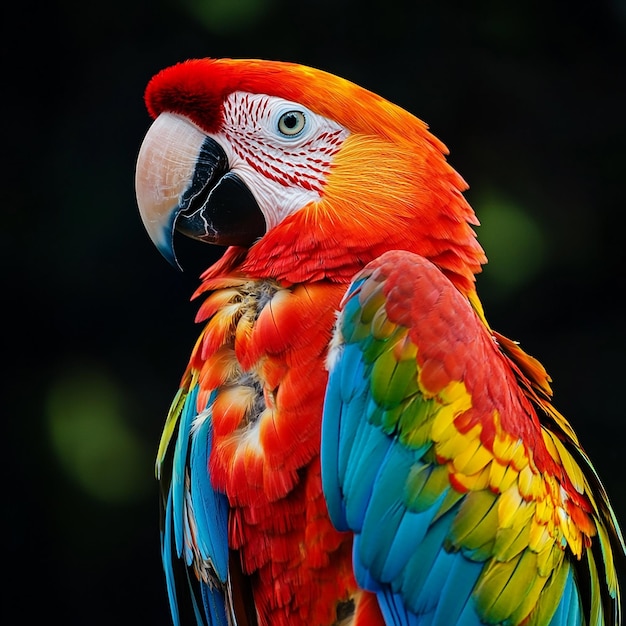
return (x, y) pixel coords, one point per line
(471, 472)
(351, 443)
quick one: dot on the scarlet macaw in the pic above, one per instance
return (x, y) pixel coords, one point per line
(351, 442)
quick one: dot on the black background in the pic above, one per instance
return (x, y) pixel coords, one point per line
(530, 97)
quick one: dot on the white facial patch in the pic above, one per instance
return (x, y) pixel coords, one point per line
(281, 150)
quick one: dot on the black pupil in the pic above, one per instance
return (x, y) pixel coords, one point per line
(291, 120)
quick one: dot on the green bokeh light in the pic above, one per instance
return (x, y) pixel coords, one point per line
(93, 443)
(514, 243)
(227, 16)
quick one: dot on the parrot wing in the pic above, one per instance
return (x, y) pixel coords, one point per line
(194, 517)
(469, 497)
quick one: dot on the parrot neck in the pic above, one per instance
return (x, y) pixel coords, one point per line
(336, 259)
(328, 266)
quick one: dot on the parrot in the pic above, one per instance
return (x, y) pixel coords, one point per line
(351, 443)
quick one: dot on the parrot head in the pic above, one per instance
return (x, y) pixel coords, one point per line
(306, 175)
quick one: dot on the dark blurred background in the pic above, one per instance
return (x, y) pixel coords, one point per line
(531, 99)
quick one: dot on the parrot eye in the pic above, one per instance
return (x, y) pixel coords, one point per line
(291, 123)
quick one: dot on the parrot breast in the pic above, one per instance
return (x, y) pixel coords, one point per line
(261, 358)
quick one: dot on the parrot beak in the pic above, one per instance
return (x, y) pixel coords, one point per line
(183, 184)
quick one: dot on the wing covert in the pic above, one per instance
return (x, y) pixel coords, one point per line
(466, 508)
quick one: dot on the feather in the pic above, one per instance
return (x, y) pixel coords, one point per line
(370, 447)
(179, 470)
(386, 514)
(421, 562)
(456, 592)
(395, 612)
(210, 508)
(410, 534)
(168, 561)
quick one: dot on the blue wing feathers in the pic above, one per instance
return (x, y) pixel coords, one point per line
(214, 605)
(195, 515)
(354, 398)
(428, 597)
(362, 573)
(166, 557)
(198, 614)
(351, 375)
(409, 536)
(178, 468)
(329, 452)
(353, 406)
(385, 510)
(371, 447)
(468, 617)
(210, 507)
(395, 612)
(422, 561)
(456, 592)
(344, 417)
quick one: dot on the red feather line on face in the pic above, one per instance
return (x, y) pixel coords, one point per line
(306, 166)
